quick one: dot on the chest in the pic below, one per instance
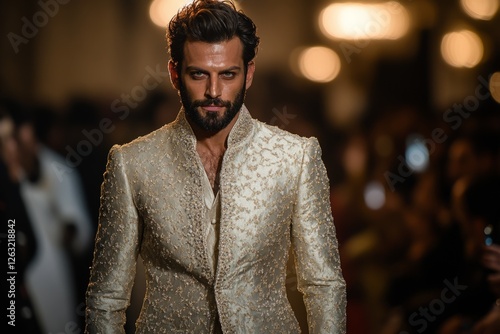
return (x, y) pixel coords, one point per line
(212, 163)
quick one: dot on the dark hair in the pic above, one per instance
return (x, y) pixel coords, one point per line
(15, 110)
(211, 21)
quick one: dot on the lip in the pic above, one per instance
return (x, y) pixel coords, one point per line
(212, 108)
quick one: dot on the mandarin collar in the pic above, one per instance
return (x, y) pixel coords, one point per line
(241, 130)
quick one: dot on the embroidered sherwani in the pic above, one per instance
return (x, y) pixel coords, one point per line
(274, 196)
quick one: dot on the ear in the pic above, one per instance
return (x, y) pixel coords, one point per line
(250, 72)
(174, 74)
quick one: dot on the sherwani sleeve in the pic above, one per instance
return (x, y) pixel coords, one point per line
(115, 253)
(315, 247)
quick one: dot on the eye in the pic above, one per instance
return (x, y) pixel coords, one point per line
(228, 75)
(197, 75)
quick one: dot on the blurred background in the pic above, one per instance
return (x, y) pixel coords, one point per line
(404, 97)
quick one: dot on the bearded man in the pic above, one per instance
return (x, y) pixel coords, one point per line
(213, 202)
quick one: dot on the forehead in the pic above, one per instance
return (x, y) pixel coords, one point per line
(214, 55)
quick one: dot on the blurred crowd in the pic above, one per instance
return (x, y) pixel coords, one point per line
(51, 166)
(426, 259)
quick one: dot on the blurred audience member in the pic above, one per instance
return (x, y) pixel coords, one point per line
(12, 210)
(490, 323)
(53, 197)
(475, 202)
(483, 199)
(471, 153)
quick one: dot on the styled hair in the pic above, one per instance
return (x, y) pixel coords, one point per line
(210, 21)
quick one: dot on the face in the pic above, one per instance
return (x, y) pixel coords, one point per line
(8, 144)
(212, 82)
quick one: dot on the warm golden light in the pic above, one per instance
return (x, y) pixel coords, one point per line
(162, 11)
(495, 86)
(319, 64)
(354, 21)
(480, 9)
(462, 48)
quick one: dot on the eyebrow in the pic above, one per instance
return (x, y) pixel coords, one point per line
(229, 69)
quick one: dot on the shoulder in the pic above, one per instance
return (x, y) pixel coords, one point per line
(146, 146)
(283, 140)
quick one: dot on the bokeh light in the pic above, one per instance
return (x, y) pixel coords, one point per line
(354, 21)
(374, 195)
(162, 11)
(480, 9)
(417, 154)
(319, 64)
(495, 86)
(462, 48)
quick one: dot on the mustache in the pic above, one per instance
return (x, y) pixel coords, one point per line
(217, 102)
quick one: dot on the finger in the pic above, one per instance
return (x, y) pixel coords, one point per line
(493, 249)
(491, 262)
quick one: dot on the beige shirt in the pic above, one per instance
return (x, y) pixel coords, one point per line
(212, 226)
(212, 222)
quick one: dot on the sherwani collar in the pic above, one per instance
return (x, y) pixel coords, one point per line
(241, 130)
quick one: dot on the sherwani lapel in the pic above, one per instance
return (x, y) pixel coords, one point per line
(192, 198)
(237, 143)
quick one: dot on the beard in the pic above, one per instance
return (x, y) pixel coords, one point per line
(211, 122)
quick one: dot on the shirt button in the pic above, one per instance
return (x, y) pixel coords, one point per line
(214, 221)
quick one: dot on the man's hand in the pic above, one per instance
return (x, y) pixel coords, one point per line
(491, 257)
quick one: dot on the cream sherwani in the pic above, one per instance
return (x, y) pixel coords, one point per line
(274, 194)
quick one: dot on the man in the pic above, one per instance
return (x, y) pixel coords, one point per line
(212, 203)
(56, 213)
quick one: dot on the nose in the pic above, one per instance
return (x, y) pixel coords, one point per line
(213, 87)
